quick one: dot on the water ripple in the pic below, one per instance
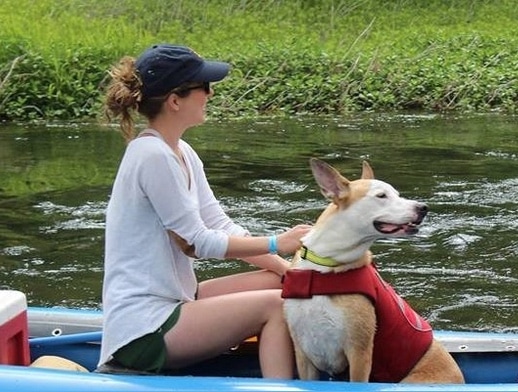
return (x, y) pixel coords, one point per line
(472, 274)
(278, 187)
(16, 250)
(87, 216)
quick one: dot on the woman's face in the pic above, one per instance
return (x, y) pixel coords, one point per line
(194, 104)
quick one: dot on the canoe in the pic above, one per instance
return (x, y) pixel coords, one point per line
(488, 360)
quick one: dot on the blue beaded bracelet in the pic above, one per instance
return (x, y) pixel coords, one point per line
(272, 244)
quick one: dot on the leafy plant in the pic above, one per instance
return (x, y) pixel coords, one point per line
(288, 57)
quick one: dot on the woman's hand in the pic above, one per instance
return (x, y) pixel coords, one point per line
(286, 243)
(290, 241)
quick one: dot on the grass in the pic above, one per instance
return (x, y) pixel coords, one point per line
(289, 57)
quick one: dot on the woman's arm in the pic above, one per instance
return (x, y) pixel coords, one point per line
(286, 243)
(211, 210)
(257, 249)
(274, 263)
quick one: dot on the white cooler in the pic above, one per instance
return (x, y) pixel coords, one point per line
(14, 335)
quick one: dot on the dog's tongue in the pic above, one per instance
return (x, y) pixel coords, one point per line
(388, 227)
(392, 228)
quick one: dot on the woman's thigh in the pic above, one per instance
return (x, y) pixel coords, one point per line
(254, 280)
(207, 327)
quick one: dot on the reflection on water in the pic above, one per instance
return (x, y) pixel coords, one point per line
(460, 271)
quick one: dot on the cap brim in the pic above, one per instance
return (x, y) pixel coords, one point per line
(212, 71)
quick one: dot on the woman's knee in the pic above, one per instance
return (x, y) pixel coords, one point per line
(274, 303)
(262, 305)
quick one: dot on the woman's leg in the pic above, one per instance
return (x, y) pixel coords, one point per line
(210, 326)
(255, 280)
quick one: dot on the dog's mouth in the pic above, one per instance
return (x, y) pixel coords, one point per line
(392, 228)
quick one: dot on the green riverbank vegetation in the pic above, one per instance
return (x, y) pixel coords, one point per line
(289, 56)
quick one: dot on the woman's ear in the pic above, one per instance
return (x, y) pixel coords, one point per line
(172, 102)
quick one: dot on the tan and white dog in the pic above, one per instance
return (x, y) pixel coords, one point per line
(343, 318)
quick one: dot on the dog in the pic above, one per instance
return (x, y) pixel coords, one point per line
(339, 311)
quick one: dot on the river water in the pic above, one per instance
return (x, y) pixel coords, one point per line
(460, 271)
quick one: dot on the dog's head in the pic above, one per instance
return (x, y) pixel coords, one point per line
(361, 211)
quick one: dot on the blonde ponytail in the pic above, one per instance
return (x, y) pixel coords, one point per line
(123, 96)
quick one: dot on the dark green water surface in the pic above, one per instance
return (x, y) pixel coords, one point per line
(461, 271)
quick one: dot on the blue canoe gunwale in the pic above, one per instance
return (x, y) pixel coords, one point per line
(488, 360)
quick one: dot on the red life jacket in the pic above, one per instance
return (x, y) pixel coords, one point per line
(402, 336)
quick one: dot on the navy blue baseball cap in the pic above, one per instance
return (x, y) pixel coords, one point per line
(164, 67)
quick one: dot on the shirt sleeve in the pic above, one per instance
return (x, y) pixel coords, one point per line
(211, 210)
(163, 182)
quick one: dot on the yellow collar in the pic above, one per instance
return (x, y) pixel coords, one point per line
(306, 254)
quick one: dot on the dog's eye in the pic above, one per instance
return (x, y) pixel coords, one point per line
(381, 195)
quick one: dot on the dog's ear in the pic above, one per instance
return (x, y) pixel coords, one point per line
(332, 184)
(367, 172)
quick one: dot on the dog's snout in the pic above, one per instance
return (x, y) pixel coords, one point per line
(422, 210)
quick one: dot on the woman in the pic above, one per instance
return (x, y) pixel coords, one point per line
(161, 213)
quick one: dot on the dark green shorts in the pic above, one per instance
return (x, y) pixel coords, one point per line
(148, 353)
